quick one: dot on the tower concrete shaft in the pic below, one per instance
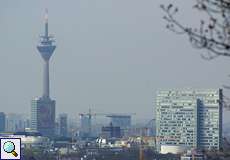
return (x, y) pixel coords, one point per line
(46, 91)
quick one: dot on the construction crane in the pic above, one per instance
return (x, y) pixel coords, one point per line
(141, 152)
(90, 114)
(144, 132)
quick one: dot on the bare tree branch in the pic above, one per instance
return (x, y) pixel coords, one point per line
(212, 34)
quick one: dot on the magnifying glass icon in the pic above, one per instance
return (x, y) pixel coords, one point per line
(9, 147)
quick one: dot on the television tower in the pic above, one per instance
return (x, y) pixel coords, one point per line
(46, 49)
(43, 108)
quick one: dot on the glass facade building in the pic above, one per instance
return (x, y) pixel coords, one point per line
(190, 118)
(43, 116)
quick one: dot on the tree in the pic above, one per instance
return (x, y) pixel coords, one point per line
(212, 34)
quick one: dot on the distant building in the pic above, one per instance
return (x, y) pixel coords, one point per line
(16, 122)
(85, 125)
(189, 118)
(123, 121)
(191, 155)
(2, 122)
(57, 128)
(63, 125)
(111, 131)
(30, 139)
(43, 108)
(173, 149)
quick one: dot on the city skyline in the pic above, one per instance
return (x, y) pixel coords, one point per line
(124, 82)
(97, 65)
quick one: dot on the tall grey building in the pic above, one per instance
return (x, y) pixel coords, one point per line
(43, 108)
(63, 125)
(85, 125)
(2, 122)
(189, 118)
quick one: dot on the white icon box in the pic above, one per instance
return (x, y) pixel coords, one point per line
(10, 148)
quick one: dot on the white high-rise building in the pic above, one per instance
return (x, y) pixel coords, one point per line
(189, 118)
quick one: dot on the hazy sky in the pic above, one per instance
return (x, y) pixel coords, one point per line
(112, 55)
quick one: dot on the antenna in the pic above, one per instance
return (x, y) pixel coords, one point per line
(46, 23)
(46, 15)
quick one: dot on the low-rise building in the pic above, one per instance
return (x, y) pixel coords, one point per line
(29, 140)
(193, 155)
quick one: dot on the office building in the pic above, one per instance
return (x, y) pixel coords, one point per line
(85, 125)
(111, 131)
(43, 116)
(63, 125)
(121, 120)
(189, 118)
(2, 122)
(43, 108)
